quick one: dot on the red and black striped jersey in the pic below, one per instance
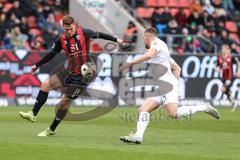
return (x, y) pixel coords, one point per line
(226, 64)
(76, 48)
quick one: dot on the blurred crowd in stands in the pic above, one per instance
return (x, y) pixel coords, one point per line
(198, 26)
(31, 25)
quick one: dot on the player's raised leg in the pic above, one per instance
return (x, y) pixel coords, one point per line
(173, 111)
(171, 104)
(176, 112)
(64, 104)
(51, 83)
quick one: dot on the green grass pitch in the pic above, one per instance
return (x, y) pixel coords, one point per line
(201, 138)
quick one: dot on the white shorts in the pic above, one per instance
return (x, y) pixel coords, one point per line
(170, 97)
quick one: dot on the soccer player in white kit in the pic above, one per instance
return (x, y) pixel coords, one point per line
(158, 53)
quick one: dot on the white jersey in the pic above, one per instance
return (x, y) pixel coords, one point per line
(163, 58)
(163, 54)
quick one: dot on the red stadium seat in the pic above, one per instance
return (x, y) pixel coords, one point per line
(145, 12)
(50, 2)
(234, 37)
(173, 3)
(162, 3)
(231, 26)
(3, 1)
(35, 31)
(152, 3)
(8, 6)
(174, 11)
(58, 17)
(188, 12)
(185, 3)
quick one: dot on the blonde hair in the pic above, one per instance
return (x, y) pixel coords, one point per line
(67, 20)
(228, 51)
(152, 31)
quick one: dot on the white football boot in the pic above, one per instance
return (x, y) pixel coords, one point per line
(212, 111)
(131, 138)
(47, 133)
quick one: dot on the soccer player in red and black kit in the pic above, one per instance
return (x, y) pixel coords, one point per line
(75, 42)
(225, 66)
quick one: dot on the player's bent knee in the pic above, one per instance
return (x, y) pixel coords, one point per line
(223, 89)
(45, 86)
(172, 110)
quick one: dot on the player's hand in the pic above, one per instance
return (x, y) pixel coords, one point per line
(120, 42)
(124, 67)
(33, 69)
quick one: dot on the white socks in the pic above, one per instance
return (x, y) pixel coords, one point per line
(189, 110)
(143, 120)
(144, 117)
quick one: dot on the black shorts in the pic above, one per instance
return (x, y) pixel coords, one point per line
(68, 79)
(72, 85)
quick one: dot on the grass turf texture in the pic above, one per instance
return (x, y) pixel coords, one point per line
(202, 138)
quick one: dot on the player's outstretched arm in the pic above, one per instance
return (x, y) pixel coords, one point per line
(146, 56)
(111, 38)
(56, 48)
(45, 59)
(95, 34)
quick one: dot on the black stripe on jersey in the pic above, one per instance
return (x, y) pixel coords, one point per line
(71, 55)
(79, 50)
(78, 43)
(87, 50)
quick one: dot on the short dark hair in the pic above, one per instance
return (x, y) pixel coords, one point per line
(68, 20)
(151, 30)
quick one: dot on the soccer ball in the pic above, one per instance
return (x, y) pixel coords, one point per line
(88, 70)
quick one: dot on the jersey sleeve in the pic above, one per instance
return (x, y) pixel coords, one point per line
(90, 33)
(56, 48)
(95, 34)
(155, 46)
